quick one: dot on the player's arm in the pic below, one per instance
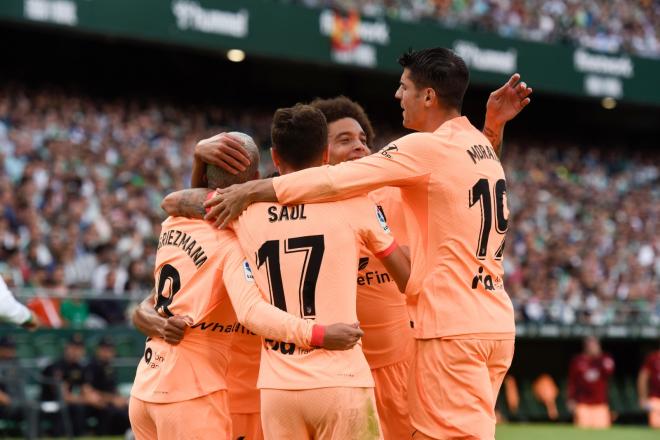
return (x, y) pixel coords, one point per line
(266, 320)
(150, 323)
(370, 224)
(222, 150)
(186, 203)
(399, 164)
(503, 105)
(397, 264)
(643, 386)
(13, 311)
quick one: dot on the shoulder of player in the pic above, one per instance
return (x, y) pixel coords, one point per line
(413, 140)
(385, 195)
(359, 203)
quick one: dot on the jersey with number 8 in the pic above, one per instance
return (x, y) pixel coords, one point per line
(454, 202)
(306, 257)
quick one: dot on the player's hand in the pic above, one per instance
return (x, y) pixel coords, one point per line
(228, 203)
(644, 404)
(175, 327)
(341, 336)
(32, 323)
(225, 151)
(506, 102)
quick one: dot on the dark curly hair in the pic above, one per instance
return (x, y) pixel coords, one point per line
(343, 107)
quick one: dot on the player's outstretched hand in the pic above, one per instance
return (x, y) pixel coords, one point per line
(175, 327)
(225, 151)
(341, 336)
(506, 102)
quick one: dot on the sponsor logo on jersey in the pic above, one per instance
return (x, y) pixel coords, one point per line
(487, 281)
(248, 272)
(373, 277)
(362, 264)
(386, 150)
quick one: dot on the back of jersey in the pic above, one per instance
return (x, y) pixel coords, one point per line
(306, 257)
(188, 281)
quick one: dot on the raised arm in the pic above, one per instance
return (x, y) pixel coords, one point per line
(503, 105)
(222, 150)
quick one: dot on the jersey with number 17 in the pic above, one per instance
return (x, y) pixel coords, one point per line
(306, 257)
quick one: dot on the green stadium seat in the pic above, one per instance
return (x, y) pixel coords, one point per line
(48, 345)
(25, 350)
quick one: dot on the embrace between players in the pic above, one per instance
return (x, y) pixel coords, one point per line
(301, 258)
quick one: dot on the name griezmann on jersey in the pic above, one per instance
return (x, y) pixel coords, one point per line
(184, 241)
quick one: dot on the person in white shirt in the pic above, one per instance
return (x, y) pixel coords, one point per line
(13, 311)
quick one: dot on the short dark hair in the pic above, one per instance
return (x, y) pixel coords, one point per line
(442, 70)
(342, 107)
(299, 134)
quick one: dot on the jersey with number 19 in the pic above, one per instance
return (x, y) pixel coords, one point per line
(307, 256)
(453, 194)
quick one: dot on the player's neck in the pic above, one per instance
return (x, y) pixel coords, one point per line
(288, 169)
(438, 117)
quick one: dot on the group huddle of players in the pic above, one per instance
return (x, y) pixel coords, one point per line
(355, 296)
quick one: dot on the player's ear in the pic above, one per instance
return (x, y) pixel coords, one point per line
(430, 97)
(326, 155)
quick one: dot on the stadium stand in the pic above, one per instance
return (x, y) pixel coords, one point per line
(90, 221)
(603, 25)
(83, 172)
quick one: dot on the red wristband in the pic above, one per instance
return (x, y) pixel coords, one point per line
(318, 335)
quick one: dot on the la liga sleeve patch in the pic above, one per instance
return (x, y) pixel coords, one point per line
(380, 214)
(248, 272)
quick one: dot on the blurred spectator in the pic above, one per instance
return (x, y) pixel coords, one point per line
(12, 398)
(602, 25)
(83, 180)
(66, 379)
(588, 380)
(582, 245)
(648, 388)
(545, 390)
(75, 312)
(100, 389)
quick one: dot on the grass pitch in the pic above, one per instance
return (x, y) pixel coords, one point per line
(546, 432)
(568, 432)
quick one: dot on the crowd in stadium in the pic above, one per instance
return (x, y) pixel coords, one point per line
(584, 248)
(604, 25)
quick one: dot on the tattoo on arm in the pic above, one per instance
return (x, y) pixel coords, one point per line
(186, 203)
(495, 138)
(191, 203)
